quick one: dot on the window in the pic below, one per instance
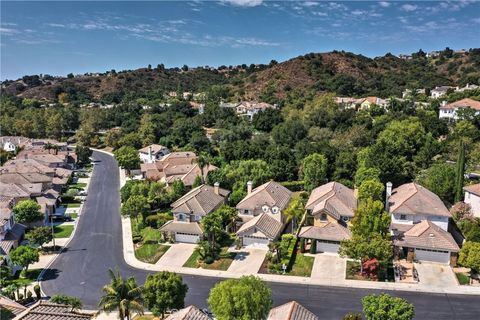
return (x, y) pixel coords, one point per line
(323, 217)
(180, 217)
(403, 217)
(345, 219)
(246, 212)
(275, 209)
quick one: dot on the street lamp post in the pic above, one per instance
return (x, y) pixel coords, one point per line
(53, 233)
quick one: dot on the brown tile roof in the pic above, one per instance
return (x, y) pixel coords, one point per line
(426, 235)
(464, 103)
(24, 178)
(412, 198)
(26, 165)
(291, 311)
(264, 223)
(329, 231)
(182, 227)
(11, 305)
(188, 313)
(271, 194)
(201, 200)
(44, 310)
(13, 190)
(6, 246)
(474, 188)
(334, 198)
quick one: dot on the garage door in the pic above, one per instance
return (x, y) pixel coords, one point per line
(432, 256)
(327, 246)
(255, 241)
(188, 238)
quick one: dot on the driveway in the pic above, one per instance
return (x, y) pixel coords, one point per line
(248, 260)
(435, 275)
(329, 267)
(176, 255)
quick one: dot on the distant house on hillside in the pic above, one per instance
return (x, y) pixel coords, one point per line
(368, 102)
(467, 88)
(449, 111)
(409, 93)
(439, 92)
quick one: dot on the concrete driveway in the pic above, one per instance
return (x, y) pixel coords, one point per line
(177, 255)
(248, 260)
(329, 267)
(435, 275)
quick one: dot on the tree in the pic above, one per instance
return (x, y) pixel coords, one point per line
(83, 154)
(314, 171)
(122, 295)
(164, 291)
(295, 210)
(127, 158)
(371, 189)
(440, 179)
(469, 256)
(386, 307)
(136, 205)
(228, 215)
(460, 173)
(213, 230)
(245, 298)
(267, 119)
(24, 256)
(39, 235)
(27, 211)
(364, 173)
(363, 249)
(370, 218)
(73, 302)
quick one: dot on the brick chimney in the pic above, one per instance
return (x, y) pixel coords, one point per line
(249, 187)
(216, 188)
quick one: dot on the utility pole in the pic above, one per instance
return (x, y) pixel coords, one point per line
(53, 233)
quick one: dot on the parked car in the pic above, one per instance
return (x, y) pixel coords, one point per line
(61, 218)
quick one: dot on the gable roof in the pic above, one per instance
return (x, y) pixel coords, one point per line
(412, 198)
(155, 148)
(270, 194)
(45, 310)
(13, 191)
(464, 103)
(426, 235)
(264, 223)
(291, 311)
(334, 198)
(201, 200)
(474, 188)
(329, 231)
(182, 227)
(188, 313)
(11, 305)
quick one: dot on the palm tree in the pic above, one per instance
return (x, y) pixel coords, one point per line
(123, 295)
(203, 161)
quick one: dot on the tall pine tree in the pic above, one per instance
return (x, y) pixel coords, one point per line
(460, 172)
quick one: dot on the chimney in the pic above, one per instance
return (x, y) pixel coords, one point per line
(150, 154)
(249, 187)
(388, 195)
(216, 187)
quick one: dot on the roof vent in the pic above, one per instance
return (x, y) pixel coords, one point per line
(431, 235)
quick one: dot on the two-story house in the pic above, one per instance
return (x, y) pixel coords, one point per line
(189, 210)
(450, 110)
(11, 233)
(152, 153)
(472, 197)
(261, 212)
(420, 224)
(332, 206)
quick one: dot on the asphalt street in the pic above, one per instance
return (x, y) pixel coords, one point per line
(81, 270)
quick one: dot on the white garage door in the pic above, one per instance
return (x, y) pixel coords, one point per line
(432, 256)
(188, 238)
(255, 241)
(327, 246)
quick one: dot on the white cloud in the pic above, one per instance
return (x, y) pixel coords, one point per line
(8, 31)
(244, 3)
(384, 4)
(476, 20)
(56, 25)
(409, 7)
(358, 12)
(310, 4)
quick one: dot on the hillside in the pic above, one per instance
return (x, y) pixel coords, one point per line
(341, 72)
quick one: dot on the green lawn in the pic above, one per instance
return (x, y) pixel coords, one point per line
(150, 252)
(150, 234)
(62, 231)
(74, 215)
(32, 276)
(79, 185)
(72, 205)
(223, 263)
(303, 266)
(463, 279)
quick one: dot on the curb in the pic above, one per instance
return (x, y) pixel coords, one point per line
(80, 215)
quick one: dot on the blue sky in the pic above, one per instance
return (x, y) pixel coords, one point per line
(61, 37)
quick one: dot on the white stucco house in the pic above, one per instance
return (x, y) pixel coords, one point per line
(152, 153)
(472, 197)
(439, 92)
(450, 110)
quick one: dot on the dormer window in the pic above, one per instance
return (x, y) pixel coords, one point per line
(275, 209)
(403, 217)
(265, 208)
(323, 217)
(345, 219)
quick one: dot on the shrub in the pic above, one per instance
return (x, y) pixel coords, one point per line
(37, 291)
(293, 186)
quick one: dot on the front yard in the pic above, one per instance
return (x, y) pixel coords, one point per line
(63, 231)
(30, 277)
(223, 263)
(463, 279)
(150, 252)
(353, 273)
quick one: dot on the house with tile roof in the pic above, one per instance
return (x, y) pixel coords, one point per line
(152, 153)
(450, 110)
(261, 212)
(368, 102)
(291, 311)
(420, 223)
(439, 91)
(332, 206)
(189, 210)
(14, 307)
(472, 197)
(11, 233)
(188, 313)
(45, 310)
